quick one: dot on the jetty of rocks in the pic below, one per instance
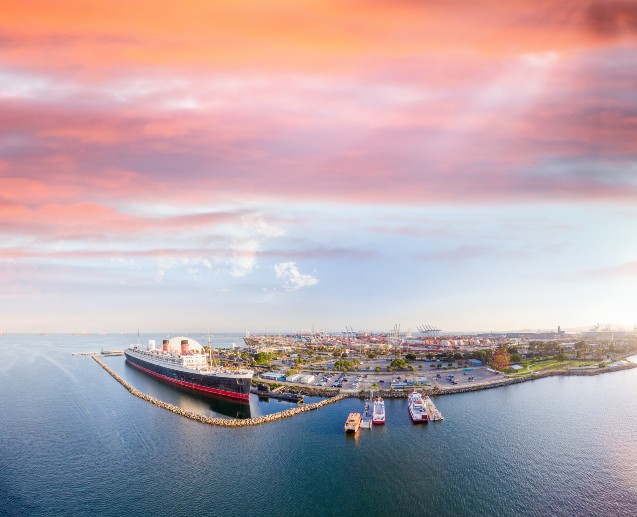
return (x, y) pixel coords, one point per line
(223, 422)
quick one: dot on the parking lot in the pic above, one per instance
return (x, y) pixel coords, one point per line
(366, 377)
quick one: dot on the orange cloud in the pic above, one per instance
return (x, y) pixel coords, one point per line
(82, 37)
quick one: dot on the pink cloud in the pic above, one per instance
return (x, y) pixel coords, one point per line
(412, 124)
(624, 269)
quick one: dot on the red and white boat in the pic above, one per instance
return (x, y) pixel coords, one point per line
(417, 409)
(378, 411)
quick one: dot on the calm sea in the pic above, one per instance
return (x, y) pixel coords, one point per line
(75, 442)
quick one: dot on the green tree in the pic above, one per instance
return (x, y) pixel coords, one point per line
(343, 365)
(399, 364)
(263, 358)
(410, 357)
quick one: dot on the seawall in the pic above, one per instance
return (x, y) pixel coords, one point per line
(223, 422)
(496, 384)
(541, 375)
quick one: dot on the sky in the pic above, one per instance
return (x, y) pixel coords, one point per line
(273, 166)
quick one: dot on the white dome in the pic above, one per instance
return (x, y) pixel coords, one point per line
(174, 344)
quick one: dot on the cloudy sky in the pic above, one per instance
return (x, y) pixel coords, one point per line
(273, 165)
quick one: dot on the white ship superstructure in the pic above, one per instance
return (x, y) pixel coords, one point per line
(417, 409)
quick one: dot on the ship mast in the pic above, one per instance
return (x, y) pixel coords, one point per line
(212, 361)
(209, 348)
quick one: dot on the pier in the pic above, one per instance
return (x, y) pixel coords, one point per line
(222, 422)
(107, 353)
(433, 414)
(291, 397)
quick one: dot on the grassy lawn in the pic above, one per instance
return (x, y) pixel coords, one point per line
(521, 373)
(554, 364)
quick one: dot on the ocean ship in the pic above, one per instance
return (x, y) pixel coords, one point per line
(378, 411)
(417, 409)
(183, 362)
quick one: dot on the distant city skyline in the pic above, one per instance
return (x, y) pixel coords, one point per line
(273, 166)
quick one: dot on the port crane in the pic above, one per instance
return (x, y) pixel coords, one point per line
(394, 335)
(428, 330)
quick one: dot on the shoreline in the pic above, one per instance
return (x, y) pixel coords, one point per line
(220, 422)
(312, 392)
(541, 375)
(333, 396)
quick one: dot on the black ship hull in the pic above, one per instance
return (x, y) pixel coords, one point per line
(232, 387)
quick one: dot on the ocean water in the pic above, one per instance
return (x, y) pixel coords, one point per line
(75, 442)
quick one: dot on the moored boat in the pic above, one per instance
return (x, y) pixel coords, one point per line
(180, 364)
(353, 423)
(378, 411)
(417, 409)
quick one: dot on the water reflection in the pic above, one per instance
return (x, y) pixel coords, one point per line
(220, 405)
(188, 398)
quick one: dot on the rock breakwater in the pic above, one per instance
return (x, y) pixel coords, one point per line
(396, 394)
(540, 375)
(223, 422)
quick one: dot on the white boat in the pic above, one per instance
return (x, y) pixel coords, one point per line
(378, 411)
(417, 409)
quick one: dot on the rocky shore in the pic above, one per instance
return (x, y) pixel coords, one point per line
(497, 384)
(223, 422)
(541, 375)
(335, 396)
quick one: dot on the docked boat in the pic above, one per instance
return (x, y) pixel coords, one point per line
(378, 411)
(263, 391)
(183, 362)
(417, 409)
(353, 423)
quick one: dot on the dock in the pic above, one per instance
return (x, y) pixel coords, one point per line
(224, 422)
(292, 397)
(102, 353)
(433, 414)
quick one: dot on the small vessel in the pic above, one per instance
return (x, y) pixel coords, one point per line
(378, 411)
(417, 409)
(263, 391)
(353, 423)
